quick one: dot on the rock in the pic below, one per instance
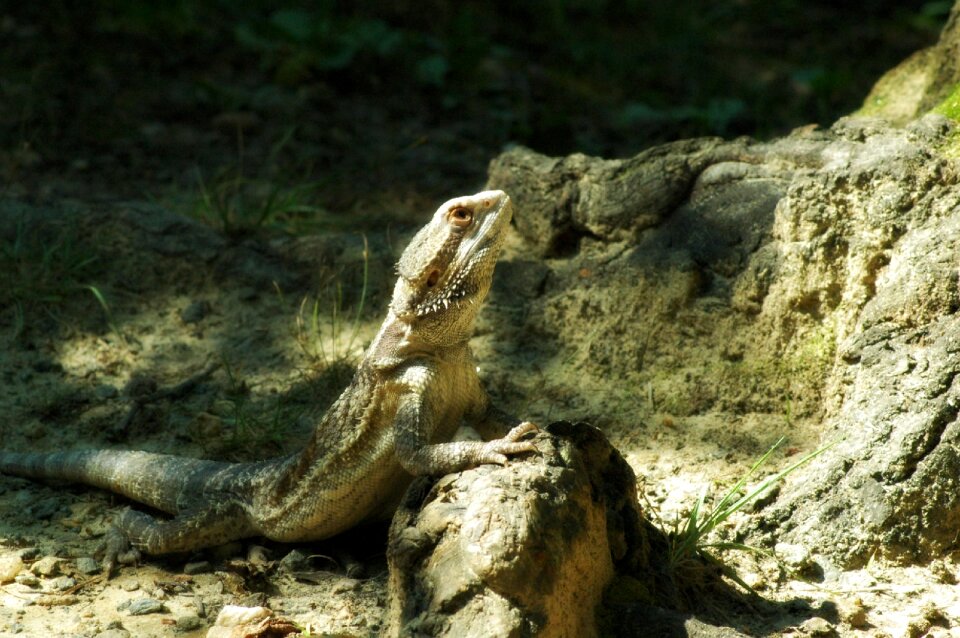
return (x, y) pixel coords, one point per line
(817, 626)
(820, 267)
(195, 312)
(106, 391)
(142, 606)
(853, 612)
(114, 633)
(10, 566)
(189, 623)
(523, 549)
(62, 583)
(295, 561)
(27, 579)
(249, 622)
(197, 567)
(47, 566)
(87, 565)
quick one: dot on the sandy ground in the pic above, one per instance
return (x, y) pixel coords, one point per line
(68, 379)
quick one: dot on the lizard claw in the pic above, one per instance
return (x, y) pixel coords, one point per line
(496, 451)
(116, 549)
(521, 431)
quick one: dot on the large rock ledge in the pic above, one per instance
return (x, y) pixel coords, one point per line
(522, 550)
(818, 271)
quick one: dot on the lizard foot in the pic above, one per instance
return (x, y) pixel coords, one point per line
(496, 451)
(116, 549)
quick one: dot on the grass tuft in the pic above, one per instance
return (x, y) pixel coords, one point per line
(689, 537)
(328, 339)
(43, 269)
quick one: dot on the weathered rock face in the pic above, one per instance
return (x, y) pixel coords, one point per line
(520, 550)
(921, 82)
(818, 271)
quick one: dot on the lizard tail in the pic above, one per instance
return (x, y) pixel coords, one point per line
(157, 480)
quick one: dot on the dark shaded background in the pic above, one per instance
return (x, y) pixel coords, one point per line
(297, 112)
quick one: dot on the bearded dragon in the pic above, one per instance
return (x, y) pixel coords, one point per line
(416, 384)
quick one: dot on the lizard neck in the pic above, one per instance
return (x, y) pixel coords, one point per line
(397, 343)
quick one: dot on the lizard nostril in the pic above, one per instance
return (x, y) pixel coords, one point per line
(486, 203)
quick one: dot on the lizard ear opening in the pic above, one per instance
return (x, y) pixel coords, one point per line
(433, 278)
(461, 217)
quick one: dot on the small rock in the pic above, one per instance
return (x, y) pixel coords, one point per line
(114, 633)
(47, 566)
(87, 565)
(197, 567)
(63, 583)
(295, 561)
(344, 585)
(106, 391)
(142, 606)
(258, 555)
(853, 612)
(943, 572)
(10, 566)
(817, 626)
(195, 312)
(189, 623)
(235, 615)
(130, 585)
(27, 579)
(235, 621)
(795, 557)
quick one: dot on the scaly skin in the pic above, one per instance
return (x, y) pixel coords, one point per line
(414, 387)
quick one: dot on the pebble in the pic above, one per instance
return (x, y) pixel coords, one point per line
(27, 579)
(853, 612)
(195, 312)
(258, 555)
(235, 615)
(114, 633)
(796, 557)
(87, 565)
(817, 626)
(142, 606)
(47, 566)
(63, 583)
(189, 623)
(197, 567)
(295, 561)
(106, 391)
(10, 566)
(130, 585)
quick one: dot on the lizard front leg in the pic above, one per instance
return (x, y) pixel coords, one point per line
(135, 531)
(420, 457)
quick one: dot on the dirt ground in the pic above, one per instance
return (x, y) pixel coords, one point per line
(182, 299)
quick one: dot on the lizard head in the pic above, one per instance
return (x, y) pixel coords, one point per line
(446, 270)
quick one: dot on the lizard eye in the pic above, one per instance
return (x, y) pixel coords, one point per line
(461, 216)
(433, 278)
